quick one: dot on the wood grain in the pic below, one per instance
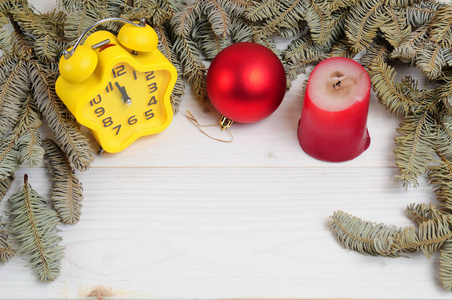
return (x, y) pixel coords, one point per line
(180, 216)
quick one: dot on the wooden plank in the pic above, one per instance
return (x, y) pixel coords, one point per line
(228, 233)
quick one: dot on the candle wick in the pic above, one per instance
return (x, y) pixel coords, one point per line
(337, 85)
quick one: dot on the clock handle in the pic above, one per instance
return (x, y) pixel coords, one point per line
(69, 53)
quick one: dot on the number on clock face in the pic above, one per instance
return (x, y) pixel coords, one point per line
(109, 108)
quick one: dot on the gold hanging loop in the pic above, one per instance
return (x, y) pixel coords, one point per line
(199, 126)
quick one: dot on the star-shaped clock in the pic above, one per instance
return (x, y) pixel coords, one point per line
(126, 95)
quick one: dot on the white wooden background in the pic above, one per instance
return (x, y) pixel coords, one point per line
(178, 215)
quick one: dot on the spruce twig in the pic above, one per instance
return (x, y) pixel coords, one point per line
(66, 188)
(6, 251)
(33, 227)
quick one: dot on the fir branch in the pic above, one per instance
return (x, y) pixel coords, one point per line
(13, 90)
(5, 41)
(6, 251)
(363, 23)
(244, 31)
(363, 236)
(64, 126)
(290, 14)
(441, 27)
(431, 60)
(78, 21)
(414, 147)
(379, 239)
(48, 47)
(29, 140)
(235, 7)
(8, 157)
(428, 238)
(443, 132)
(445, 265)
(439, 177)
(165, 46)
(420, 213)
(5, 185)
(412, 44)
(300, 53)
(444, 91)
(378, 52)
(394, 97)
(66, 190)
(192, 66)
(183, 21)
(305, 50)
(262, 10)
(75, 5)
(169, 7)
(33, 227)
(422, 13)
(7, 64)
(342, 48)
(323, 26)
(334, 5)
(9, 5)
(218, 18)
(401, 3)
(22, 42)
(396, 28)
(290, 32)
(210, 43)
(155, 12)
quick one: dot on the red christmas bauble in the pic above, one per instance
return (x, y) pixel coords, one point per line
(246, 82)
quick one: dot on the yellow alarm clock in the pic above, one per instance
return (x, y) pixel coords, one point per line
(118, 86)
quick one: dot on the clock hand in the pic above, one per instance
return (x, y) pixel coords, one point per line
(125, 97)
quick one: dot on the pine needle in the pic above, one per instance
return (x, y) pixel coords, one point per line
(33, 227)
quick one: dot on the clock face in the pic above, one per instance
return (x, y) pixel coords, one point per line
(130, 103)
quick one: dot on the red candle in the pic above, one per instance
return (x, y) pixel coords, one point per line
(333, 121)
